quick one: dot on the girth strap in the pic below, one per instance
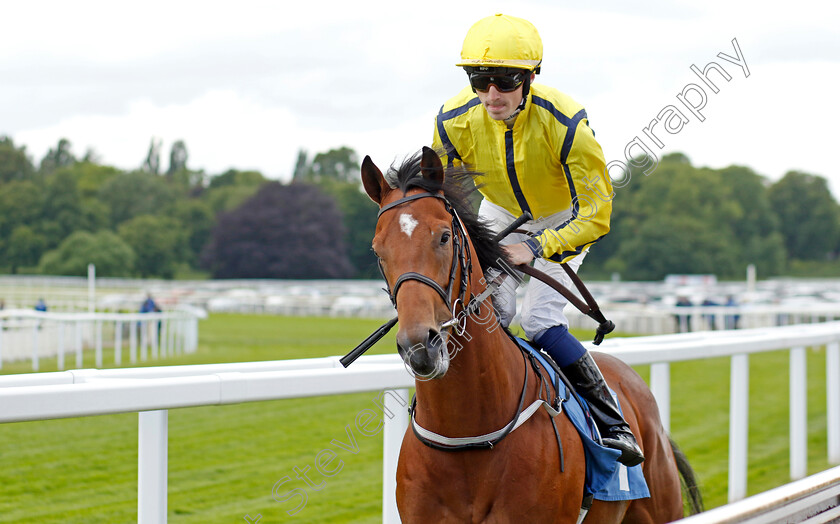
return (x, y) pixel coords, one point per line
(487, 439)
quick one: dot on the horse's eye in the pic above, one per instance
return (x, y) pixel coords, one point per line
(444, 238)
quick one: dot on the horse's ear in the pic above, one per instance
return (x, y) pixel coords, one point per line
(431, 166)
(374, 182)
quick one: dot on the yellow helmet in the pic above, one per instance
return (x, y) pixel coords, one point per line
(502, 41)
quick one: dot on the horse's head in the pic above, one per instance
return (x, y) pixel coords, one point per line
(424, 255)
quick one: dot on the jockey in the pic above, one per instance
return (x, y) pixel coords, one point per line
(534, 146)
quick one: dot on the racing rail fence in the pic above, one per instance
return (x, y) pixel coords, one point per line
(153, 391)
(36, 334)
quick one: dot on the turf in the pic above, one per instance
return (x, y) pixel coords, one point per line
(226, 462)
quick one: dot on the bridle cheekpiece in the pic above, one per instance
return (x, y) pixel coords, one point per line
(461, 258)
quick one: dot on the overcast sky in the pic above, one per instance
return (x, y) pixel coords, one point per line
(247, 84)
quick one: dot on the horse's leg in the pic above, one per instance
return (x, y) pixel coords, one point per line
(660, 468)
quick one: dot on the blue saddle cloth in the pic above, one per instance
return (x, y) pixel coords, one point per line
(606, 478)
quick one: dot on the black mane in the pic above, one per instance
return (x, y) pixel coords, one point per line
(459, 187)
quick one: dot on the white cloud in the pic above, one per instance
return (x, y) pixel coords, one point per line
(247, 86)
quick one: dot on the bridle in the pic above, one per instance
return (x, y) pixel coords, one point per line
(461, 259)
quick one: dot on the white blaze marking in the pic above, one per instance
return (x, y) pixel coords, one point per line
(407, 224)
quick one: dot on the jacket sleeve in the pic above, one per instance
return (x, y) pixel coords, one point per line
(585, 171)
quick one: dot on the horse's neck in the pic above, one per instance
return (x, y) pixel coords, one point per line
(481, 389)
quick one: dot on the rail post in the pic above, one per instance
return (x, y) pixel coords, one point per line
(396, 422)
(152, 440)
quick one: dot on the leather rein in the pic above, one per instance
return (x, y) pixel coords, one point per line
(461, 258)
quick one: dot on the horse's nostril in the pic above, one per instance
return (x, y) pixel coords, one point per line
(434, 338)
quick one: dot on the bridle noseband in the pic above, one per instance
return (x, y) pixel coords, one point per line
(460, 259)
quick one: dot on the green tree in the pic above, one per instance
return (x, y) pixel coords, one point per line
(336, 172)
(359, 214)
(59, 157)
(757, 227)
(687, 245)
(301, 166)
(107, 251)
(159, 243)
(340, 164)
(90, 177)
(808, 215)
(95, 215)
(62, 213)
(152, 162)
(137, 193)
(177, 157)
(197, 220)
(24, 248)
(233, 177)
(14, 163)
(229, 190)
(21, 203)
(677, 219)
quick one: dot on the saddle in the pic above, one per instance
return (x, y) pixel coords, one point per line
(606, 478)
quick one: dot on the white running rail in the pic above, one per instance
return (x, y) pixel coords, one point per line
(151, 391)
(27, 334)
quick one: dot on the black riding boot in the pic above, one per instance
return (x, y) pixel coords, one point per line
(615, 433)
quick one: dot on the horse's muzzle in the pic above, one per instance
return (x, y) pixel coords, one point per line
(425, 353)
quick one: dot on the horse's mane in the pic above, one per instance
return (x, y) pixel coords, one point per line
(459, 186)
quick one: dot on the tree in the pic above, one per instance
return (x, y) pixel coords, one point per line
(90, 176)
(21, 202)
(337, 173)
(686, 245)
(233, 177)
(340, 164)
(359, 215)
(177, 157)
(24, 248)
(677, 219)
(159, 243)
(91, 157)
(59, 157)
(197, 220)
(808, 215)
(95, 215)
(62, 207)
(108, 252)
(133, 194)
(152, 162)
(757, 227)
(229, 190)
(301, 166)
(14, 163)
(290, 231)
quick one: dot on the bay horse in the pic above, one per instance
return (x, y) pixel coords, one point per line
(470, 375)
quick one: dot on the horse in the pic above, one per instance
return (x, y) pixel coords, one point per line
(470, 374)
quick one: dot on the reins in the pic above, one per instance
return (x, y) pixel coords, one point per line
(461, 259)
(588, 306)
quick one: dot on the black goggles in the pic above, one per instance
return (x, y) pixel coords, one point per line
(504, 82)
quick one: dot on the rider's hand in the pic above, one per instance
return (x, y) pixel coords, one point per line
(519, 253)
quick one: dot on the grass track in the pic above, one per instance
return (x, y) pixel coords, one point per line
(224, 460)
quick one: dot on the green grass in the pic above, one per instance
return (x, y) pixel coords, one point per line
(224, 460)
